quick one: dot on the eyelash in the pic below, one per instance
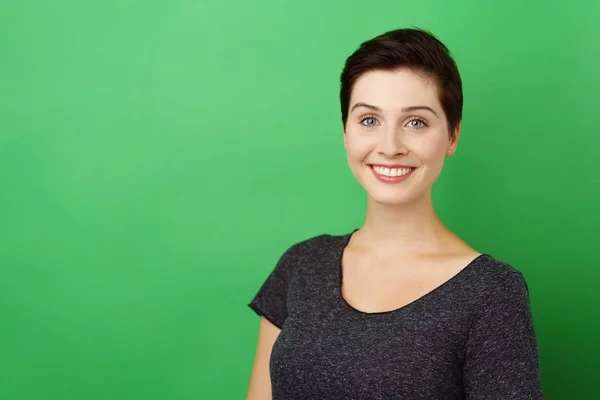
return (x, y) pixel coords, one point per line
(408, 122)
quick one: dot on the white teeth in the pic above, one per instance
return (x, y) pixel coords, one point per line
(392, 172)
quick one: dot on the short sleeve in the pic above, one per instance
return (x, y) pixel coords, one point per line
(271, 299)
(501, 358)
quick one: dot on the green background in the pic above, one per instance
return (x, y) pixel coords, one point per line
(157, 157)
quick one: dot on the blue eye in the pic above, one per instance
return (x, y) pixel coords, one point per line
(416, 123)
(369, 122)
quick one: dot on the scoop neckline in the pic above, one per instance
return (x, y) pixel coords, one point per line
(420, 299)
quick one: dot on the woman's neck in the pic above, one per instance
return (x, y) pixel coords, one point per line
(411, 228)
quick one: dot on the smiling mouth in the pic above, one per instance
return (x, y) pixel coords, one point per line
(393, 172)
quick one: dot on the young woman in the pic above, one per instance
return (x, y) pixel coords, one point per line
(401, 308)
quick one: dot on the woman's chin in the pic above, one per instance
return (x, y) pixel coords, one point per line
(390, 199)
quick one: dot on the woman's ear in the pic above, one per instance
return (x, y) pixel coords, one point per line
(456, 131)
(453, 143)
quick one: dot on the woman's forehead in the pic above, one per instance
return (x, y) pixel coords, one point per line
(398, 88)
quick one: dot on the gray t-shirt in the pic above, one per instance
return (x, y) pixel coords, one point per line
(471, 338)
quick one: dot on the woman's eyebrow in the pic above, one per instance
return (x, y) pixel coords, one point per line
(405, 109)
(374, 108)
(415, 108)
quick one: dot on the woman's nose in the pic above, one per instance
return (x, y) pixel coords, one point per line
(391, 143)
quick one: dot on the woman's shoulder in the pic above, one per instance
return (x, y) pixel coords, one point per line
(314, 251)
(490, 273)
(324, 242)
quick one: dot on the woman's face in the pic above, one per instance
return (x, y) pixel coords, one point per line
(396, 135)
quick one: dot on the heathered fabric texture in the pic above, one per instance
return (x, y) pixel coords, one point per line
(471, 338)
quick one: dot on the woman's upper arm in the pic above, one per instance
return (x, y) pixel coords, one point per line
(270, 302)
(260, 380)
(502, 354)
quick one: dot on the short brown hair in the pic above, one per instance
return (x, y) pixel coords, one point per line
(411, 48)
